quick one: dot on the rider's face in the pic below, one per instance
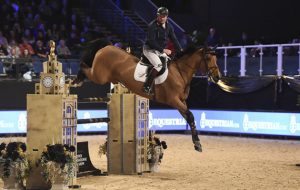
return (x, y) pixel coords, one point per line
(162, 19)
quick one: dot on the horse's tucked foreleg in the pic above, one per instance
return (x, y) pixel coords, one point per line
(79, 79)
(80, 75)
(189, 117)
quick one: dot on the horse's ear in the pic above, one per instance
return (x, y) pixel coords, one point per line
(214, 48)
(211, 50)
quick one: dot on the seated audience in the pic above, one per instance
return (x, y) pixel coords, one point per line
(62, 49)
(3, 51)
(40, 49)
(26, 46)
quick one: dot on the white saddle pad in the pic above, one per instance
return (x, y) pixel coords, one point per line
(140, 74)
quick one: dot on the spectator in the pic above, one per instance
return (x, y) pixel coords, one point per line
(63, 50)
(291, 50)
(28, 21)
(185, 40)
(13, 36)
(45, 10)
(40, 36)
(212, 39)
(74, 40)
(75, 21)
(27, 64)
(28, 35)
(52, 34)
(40, 49)
(18, 30)
(244, 40)
(13, 49)
(3, 50)
(26, 46)
(254, 52)
(37, 21)
(3, 40)
(62, 31)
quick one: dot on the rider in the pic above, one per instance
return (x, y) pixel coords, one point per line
(159, 32)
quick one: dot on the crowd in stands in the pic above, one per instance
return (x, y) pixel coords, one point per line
(29, 25)
(213, 39)
(26, 27)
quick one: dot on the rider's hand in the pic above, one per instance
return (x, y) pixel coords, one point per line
(167, 51)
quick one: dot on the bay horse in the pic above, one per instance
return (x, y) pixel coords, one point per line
(112, 64)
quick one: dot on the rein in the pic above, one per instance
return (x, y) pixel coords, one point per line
(209, 70)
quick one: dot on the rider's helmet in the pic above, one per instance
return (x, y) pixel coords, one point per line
(162, 11)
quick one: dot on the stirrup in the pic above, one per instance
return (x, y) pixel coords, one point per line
(147, 89)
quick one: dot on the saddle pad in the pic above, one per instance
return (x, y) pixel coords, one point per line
(141, 72)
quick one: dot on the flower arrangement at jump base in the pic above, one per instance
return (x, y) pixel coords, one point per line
(58, 162)
(14, 166)
(103, 149)
(155, 151)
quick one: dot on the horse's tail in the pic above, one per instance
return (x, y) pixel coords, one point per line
(89, 51)
(83, 65)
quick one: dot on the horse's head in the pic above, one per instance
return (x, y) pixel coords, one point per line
(208, 64)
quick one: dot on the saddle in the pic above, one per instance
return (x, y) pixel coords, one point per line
(144, 68)
(145, 61)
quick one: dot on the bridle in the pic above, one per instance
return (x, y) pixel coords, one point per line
(209, 70)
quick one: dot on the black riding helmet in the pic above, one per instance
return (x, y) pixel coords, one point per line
(162, 11)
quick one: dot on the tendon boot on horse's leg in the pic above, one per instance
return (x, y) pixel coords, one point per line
(196, 141)
(191, 121)
(149, 81)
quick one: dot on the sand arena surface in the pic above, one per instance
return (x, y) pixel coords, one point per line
(225, 163)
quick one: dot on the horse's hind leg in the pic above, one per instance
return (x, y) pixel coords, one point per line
(189, 117)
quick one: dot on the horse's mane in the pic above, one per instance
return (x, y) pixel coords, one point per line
(187, 51)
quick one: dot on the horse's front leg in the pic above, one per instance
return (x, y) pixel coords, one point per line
(189, 117)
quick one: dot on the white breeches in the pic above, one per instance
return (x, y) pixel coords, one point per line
(153, 56)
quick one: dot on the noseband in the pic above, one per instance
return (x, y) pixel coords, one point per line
(209, 70)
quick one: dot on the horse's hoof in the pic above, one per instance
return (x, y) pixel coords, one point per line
(76, 83)
(197, 146)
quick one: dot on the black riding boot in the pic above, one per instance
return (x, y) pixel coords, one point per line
(148, 84)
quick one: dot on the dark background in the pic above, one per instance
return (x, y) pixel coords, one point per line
(273, 21)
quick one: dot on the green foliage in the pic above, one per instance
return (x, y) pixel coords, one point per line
(13, 158)
(59, 160)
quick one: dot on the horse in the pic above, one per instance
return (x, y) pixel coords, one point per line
(114, 65)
